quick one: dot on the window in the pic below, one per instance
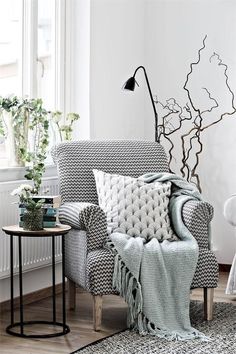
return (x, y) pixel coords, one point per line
(32, 52)
(10, 46)
(10, 54)
(45, 52)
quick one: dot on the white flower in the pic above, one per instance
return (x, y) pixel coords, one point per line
(16, 191)
(57, 116)
(22, 189)
(26, 187)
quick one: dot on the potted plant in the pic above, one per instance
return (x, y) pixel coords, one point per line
(24, 123)
(31, 210)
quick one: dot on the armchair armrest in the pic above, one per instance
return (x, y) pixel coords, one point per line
(197, 216)
(88, 217)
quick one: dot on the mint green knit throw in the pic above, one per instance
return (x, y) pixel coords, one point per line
(155, 277)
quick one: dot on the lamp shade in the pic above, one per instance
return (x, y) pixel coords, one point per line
(129, 84)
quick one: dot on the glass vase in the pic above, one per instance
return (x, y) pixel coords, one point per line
(12, 141)
(33, 220)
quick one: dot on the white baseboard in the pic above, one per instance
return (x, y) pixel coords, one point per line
(32, 281)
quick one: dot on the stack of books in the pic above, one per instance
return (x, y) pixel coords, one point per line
(50, 209)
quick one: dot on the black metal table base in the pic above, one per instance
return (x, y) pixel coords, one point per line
(23, 323)
(66, 329)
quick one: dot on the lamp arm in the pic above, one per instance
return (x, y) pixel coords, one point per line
(151, 96)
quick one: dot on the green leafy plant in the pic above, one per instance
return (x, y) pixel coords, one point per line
(25, 192)
(25, 123)
(22, 118)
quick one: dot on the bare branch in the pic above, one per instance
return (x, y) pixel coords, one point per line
(175, 115)
(194, 174)
(211, 98)
(190, 72)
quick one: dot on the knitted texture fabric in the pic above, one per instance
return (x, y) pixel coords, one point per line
(134, 207)
(75, 162)
(221, 330)
(86, 216)
(155, 277)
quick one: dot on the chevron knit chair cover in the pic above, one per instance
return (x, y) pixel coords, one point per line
(88, 263)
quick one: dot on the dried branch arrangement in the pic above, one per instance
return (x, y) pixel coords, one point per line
(191, 120)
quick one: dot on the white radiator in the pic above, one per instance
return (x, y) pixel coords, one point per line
(36, 251)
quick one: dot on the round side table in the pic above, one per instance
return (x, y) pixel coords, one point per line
(18, 232)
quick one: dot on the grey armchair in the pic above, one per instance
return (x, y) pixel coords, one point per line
(88, 263)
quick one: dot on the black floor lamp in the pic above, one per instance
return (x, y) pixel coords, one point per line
(130, 85)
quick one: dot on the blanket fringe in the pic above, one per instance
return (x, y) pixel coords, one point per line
(144, 327)
(129, 288)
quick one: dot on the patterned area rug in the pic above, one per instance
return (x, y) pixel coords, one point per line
(222, 332)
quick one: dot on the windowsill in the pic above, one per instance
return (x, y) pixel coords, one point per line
(10, 174)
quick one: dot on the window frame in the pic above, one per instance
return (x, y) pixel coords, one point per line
(28, 66)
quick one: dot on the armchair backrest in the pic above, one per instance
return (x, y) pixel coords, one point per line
(76, 160)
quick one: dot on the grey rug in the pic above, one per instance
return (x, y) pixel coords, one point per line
(222, 332)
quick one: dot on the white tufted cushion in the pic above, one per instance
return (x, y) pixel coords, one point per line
(134, 207)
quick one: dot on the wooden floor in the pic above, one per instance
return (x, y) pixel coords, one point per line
(80, 322)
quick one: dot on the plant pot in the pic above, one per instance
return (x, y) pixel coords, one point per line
(33, 220)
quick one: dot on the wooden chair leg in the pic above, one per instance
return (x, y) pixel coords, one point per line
(97, 312)
(71, 294)
(208, 303)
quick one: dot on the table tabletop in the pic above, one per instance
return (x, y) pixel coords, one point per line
(15, 230)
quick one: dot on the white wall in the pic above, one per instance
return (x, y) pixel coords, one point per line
(32, 281)
(164, 36)
(174, 33)
(117, 41)
(80, 66)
